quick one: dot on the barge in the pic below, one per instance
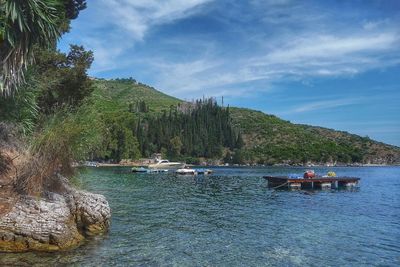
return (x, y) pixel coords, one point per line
(312, 183)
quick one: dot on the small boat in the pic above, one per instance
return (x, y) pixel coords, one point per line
(156, 170)
(145, 170)
(140, 169)
(91, 164)
(204, 171)
(186, 172)
(166, 164)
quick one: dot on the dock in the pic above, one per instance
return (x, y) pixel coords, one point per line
(311, 183)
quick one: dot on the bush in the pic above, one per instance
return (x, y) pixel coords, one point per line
(66, 137)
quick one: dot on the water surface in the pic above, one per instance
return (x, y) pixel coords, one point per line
(231, 218)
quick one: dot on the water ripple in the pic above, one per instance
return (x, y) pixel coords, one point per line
(233, 219)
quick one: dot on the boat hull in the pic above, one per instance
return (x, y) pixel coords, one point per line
(186, 172)
(167, 166)
(139, 170)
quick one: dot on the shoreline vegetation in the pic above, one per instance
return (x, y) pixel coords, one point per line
(139, 164)
(43, 130)
(100, 164)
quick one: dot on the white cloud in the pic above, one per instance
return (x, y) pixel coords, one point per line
(111, 28)
(106, 53)
(324, 104)
(322, 55)
(137, 16)
(192, 77)
(300, 42)
(375, 24)
(313, 55)
(329, 47)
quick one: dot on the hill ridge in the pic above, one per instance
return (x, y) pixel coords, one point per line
(268, 139)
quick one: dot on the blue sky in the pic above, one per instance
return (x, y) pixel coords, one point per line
(334, 64)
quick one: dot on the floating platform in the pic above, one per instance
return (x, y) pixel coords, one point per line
(312, 183)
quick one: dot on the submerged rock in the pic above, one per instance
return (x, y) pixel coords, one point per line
(57, 222)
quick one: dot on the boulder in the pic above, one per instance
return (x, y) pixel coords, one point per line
(54, 217)
(56, 222)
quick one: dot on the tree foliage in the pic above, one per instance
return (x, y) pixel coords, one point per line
(52, 106)
(73, 7)
(120, 142)
(25, 25)
(56, 81)
(199, 129)
(63, 77)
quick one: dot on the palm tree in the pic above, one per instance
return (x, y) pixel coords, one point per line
(24, 24)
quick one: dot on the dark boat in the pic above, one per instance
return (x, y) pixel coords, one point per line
(139, 169)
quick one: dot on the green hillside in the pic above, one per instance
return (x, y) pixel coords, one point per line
(119, 94)
(267, 139)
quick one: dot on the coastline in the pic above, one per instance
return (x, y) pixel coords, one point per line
(99, 164)
(53, 222)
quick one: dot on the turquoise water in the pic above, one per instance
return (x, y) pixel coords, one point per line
(231, 218)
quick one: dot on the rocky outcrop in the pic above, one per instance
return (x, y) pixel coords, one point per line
(57, 222)
(54, 215)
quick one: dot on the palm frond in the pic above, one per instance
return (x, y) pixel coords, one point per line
(24, 23)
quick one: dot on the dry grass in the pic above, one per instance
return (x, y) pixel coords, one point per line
(63, 138)
(5, 164)
(23, 171)
(38, 175)
(8, 148)
(8, 156)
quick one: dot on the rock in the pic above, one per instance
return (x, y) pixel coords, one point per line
(59, 218)
(57, 222)
(93, 213)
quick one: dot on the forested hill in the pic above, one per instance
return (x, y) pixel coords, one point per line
(266, 138)
(272, 140)
(138, 121)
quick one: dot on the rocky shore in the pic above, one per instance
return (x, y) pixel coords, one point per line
(39, 209)
(56, 222)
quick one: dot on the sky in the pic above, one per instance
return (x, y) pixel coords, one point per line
(334, 64)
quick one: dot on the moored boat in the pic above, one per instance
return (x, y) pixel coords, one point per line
(156, 170)
(145, 170)
(204, 171)
(186, 172)
(139, 169)
(166, 164)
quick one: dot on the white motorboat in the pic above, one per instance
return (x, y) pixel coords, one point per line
(166, 164)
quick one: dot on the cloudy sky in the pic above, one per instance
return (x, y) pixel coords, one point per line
(328, 63)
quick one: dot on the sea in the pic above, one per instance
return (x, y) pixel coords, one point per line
(232, 218)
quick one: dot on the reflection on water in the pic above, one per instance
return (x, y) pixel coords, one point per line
(232, 219)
